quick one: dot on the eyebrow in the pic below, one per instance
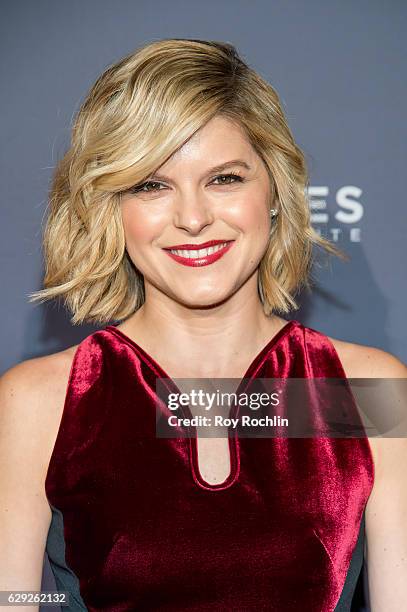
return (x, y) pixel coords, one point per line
(214, 169)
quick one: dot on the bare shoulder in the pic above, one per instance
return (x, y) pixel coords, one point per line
(40, 378)
(362, 361)
(32, 397)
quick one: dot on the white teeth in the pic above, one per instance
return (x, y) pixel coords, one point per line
(191, 254)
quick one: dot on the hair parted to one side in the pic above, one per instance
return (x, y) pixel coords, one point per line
(136, 115)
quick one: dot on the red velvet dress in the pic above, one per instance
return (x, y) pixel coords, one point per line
(135, 527)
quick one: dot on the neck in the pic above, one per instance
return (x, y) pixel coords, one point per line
(183, 337)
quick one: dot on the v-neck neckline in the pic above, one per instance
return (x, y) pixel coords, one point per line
(234, 445)
(250, 371)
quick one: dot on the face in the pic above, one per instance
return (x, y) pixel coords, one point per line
(214, 189)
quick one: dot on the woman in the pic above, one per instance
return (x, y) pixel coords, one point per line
(179, 211)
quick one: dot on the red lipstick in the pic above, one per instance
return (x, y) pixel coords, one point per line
(204, 245)
(199, 261)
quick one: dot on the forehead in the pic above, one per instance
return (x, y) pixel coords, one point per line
(218, 140)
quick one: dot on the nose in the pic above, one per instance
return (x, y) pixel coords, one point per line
(192, 212)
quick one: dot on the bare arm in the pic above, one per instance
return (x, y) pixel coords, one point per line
(31, 401)
(386, 510)
(386, 529)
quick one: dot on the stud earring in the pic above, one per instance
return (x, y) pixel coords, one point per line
(273, 212)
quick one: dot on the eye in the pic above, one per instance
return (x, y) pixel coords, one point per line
(236, 178)
(154, 186)
(144, 187)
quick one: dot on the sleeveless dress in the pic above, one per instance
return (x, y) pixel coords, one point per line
(136, 527)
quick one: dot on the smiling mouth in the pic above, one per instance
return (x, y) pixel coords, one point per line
(200, 257)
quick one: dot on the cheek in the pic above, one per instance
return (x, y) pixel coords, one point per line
(138, 228)
(253, 217)
(255, 223)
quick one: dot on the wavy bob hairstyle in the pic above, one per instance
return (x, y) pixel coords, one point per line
(136, 115)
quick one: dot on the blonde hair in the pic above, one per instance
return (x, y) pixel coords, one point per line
(135, 116)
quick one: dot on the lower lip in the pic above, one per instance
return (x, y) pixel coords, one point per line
(200, 261)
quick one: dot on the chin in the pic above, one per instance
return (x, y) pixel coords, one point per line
(202, 301)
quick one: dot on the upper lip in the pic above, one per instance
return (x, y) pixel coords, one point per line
(196, 247)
